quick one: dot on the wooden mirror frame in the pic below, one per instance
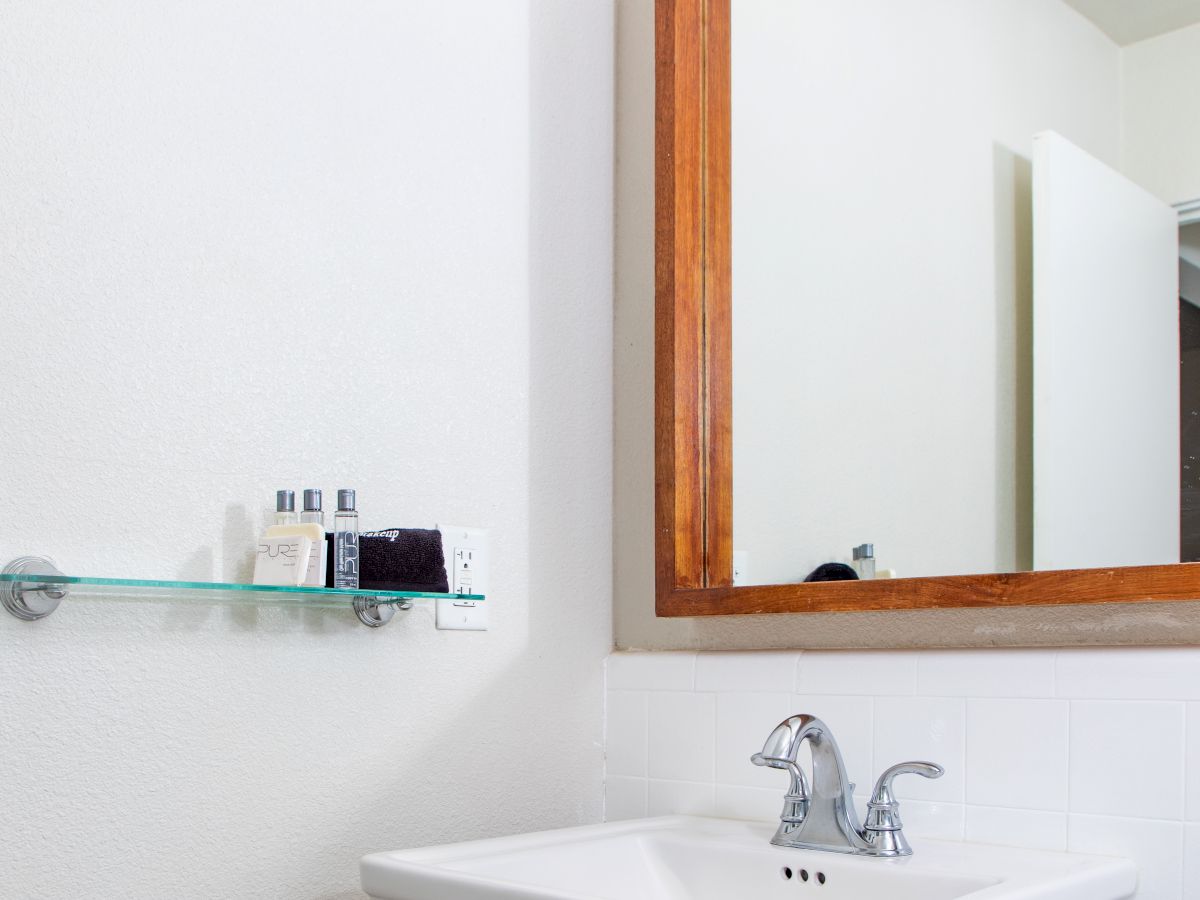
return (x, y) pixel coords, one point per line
(693, 378)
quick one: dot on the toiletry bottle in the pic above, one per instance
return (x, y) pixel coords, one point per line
(314, 515)
(285, 508)
(864, 561)
(312, 507)
(345, 542)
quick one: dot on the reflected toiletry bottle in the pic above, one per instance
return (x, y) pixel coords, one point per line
(285, 508)
(345, 542)
(864, 561)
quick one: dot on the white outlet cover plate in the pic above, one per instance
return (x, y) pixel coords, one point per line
(466, 553)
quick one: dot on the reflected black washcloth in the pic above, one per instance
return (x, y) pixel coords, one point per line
(402, 559)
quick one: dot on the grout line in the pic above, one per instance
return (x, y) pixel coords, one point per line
(1182, 823)
(715, 742)
(1070, 789)
(604, 742)
(1183, 762)
(874, 764)
(646, 733)
(966, 746)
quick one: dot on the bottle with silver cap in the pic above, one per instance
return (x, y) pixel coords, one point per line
(864, 561)
(319, 561)
(285, 508)
(312, 507)
(345, 542)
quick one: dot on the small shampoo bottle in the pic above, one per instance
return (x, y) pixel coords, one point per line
(314, 515)
(285, 508)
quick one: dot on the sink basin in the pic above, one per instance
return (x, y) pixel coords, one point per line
(690, 858)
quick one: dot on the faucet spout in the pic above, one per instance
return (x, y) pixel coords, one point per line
(828, 820)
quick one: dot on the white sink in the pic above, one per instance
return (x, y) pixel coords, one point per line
(688, 858)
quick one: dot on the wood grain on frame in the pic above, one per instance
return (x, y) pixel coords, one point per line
(693, 378)
(718, 301)
(679, 294)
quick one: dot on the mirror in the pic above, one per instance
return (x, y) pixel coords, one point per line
(950, 341)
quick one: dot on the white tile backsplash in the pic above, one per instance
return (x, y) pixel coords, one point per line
(1092, 750)
(1017, 827)
(680, 798)
(757, 804)
(739, 718)
(995, 673)
(921, 728)
(681, 736)
(1155, 846)
(1127, 758)
(852, 721)
(1191, 762)
(651, 671)
(625, 726)
(1129, 673)
(624, 798)
(868, 673)
(1191, 861)
(1029, 737)
(922, 818)
(765, 672)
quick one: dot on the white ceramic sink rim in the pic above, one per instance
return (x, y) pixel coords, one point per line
(521, 866)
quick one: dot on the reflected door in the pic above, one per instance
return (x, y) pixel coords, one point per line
(1106, 365)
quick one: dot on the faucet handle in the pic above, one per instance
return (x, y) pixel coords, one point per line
(883, 828)
(883, 787)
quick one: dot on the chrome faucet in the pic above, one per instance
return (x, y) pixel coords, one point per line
(823, 817)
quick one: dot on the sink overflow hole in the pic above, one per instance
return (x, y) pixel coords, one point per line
(786, 874)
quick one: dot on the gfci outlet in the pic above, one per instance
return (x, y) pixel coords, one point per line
(466, 553)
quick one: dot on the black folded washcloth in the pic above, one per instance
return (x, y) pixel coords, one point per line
(402, 559)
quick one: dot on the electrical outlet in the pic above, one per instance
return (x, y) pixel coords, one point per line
(466, 553)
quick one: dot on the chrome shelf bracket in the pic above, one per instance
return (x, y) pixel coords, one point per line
(30, 600)
(374, 614)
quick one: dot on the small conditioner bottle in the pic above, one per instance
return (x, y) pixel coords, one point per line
(345, 542)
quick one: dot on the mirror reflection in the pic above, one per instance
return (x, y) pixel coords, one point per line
(965, 286)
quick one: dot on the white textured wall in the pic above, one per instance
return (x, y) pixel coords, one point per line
(1160, 118)
(247, 246)
(1091, 751)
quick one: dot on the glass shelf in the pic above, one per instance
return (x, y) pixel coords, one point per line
(31, 589)
(217, 592)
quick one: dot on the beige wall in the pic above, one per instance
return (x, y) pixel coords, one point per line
(635, 626)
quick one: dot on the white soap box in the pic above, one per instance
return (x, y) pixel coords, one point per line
(282, 560)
